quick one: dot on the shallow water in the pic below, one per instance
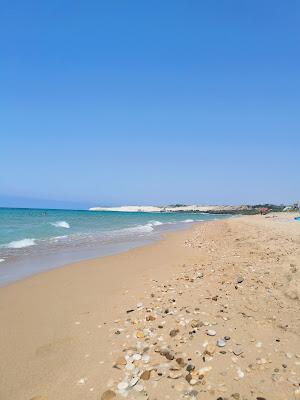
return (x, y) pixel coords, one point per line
(34, 240)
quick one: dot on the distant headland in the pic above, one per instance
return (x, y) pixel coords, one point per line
(211, 209)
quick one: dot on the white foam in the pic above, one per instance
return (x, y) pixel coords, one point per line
(188, 220)
(155, 223)
(2, 260)
(19, 244)
(139, 229)
(61, 224)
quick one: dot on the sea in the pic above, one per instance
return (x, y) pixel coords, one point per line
(36, 240)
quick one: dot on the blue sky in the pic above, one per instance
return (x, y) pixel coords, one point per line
(118, 102)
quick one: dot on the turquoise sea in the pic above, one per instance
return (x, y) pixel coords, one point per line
(34, 240)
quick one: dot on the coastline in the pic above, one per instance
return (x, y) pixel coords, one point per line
(59, 327)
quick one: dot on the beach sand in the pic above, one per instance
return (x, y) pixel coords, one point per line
(68, 333)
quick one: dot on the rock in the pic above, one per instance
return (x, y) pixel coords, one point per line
(221, 343)
(227, 337)
(150, 318)
(107, 395)
(180, 361)
(215, 298)
(123, 385)
(190, 367)
(146, 375)
(210, 349)
(140, 335)
(236, 396)
(239, 279)
(130, 311)
(175, 374)
(211, 332)
(174, 332)
(169, 355)
(134, 381)
(196, 323)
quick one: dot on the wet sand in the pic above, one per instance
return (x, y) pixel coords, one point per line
(208, 313)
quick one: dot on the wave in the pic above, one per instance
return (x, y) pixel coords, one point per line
(188, 220)
(19, 244)
(139, 229)
(155, 223)
(2, 260)
(61, 224)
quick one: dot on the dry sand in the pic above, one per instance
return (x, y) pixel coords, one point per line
(63, 331)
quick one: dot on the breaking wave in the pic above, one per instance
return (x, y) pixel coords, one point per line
(19, 244)
(61, 224)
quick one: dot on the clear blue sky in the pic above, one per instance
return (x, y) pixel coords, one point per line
(114, 102)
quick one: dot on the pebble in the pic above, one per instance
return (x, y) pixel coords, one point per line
(190, 367)
(174, 332)
(134, 381)
(107, 395)
(239, 279)
(146, 375)
(221, 343)
(210, 349)
(140, 335)
(211, 332)
(175, 374)
(123, 385)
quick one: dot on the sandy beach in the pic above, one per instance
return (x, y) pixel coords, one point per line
(211, 312)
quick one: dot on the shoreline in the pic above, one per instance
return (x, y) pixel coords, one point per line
(59, 335)
(64, 258)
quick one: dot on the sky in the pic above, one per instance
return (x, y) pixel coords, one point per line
(149, 102)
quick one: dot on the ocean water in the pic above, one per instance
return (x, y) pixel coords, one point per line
(34, 240)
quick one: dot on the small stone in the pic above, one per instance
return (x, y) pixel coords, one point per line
(211, 332)
(215, 298)
(227, 337)
(193, 381)
(221, 343)
(175, 374)
(140, 335)
(260, 398)
(195, 323)
(239, 279)
(188, 378)
(169, 355)
(146, 375)
(123, 385)
(210, 349)
(130, 311)
(236, 396)
(150, 318)
(134, 381)
(174, 332)
(180, 361)
(190, 367)
(108, 395)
